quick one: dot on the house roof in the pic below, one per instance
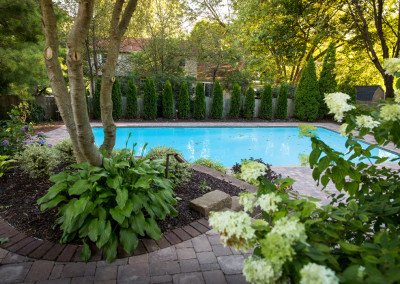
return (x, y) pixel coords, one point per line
(366, 93)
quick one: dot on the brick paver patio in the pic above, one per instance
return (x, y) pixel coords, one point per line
(191, 254)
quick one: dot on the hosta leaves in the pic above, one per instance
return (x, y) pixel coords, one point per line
(53, 192)
(152, 229)
(79, 187)
(53, 203)
(114, 182)
(85, 252)
(117, 215)
(122, 197)
(59, 177)
(128, 239)
(138, 223)
(105, 235)
(110, 249)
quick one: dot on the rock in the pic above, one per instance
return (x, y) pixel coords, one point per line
(236, 206)
(213, 201)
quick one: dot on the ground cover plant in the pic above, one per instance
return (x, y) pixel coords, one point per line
(209, 163)
(355, 238)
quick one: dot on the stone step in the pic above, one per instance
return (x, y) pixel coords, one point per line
(215, 200)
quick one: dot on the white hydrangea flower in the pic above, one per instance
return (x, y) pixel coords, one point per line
(390, 112)
(337, 104)
(269, 202)
(391, 65)
(251, 171)
(366, 121)
(342, 129)
(234, 228)
(317, 274)
(259, 270)
(361, 272)
(247, 199)
(397, 95)
(291, 229)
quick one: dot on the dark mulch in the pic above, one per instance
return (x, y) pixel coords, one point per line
(47, 126)
(19, 194)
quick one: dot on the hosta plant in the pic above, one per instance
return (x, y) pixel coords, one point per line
(113, 204)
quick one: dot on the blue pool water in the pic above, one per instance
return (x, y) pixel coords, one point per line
(275, 145)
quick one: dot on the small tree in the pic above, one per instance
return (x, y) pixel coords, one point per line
(131, 100)
(149, 100)
(236, 101)
(96, 100)
(168, 101)
(200, 102)
(327, 80)
(116, 100)
(266, 109)
(306, 99)
(249, 103)
(183, 104)
(281, 106)
(217, 107)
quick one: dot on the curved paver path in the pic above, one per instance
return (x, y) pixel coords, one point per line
(192, 254)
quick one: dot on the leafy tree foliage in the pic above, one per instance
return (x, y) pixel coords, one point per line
(327, 80)
(249, 103)
(131, 100)
(266, 108)
(117, 100)
(168, 101)
(149, 100)
(96, 100)
(306, 100)
(236, 102)
(199, 102)
(217, 106)
(348, 88)
(183, 102)
(281, 105)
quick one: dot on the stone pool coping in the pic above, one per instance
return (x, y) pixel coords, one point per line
(34, 248)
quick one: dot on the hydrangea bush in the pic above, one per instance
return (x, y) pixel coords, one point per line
(353, 239)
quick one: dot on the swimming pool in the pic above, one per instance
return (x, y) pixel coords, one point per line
(275, 145)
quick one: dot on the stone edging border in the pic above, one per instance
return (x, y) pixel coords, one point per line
(39, 249)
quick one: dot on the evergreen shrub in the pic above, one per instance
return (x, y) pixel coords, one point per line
(131, 100)
(200, 102)
(149, 100)
(168, 101)
(281, 106)
(183, 103)
(236, 101)
(266, 109)
(116, 100)
(249, 103)
(327, 80)
(217, 107)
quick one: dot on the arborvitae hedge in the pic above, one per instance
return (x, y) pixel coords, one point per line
(306, 99)
(281, 105)
(96, 100)
(217, 107)
(236, 101)
(266, 109)
(131, 100)
(327, 80)
(249, 103)
(348, 88)
(116, 100)
(183, 103)
(199, 102)
(149, 100)
(168, 101)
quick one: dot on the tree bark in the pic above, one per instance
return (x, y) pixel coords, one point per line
(54, 72)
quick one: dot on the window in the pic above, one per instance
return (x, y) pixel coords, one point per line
(208, 88)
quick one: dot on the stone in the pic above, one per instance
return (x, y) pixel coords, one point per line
(161, 279)
(40, 269)
(220, 250)
(163, 268)
(185, 253)
(132, 271)
(236, 279)
(212, 201)
(14, 273)
(232, 264)
(163, 255)
(206, 257)
(106, 273)
(189, 278)
(201, 244)
(236, 206)
(189, 265)
(214, 276)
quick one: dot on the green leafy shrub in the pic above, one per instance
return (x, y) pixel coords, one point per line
(353, 239)
(306, 101)
(249, 104)
(180, 171)
(96, 100)
(168, 101)
(4, 164)
(327, 79)
(266, 108)
(113, 204)
(348, 88)
(131, 100)
(236, 101)
(250, 171)
(37, 112)
(37, 161)
(116, 100)
(217, 107)
(65, 151)
(209, 163)
(183, 102)
(149, 100)
(281, 106)
(199, 102)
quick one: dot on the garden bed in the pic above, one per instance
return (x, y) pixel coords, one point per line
(19, 194)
